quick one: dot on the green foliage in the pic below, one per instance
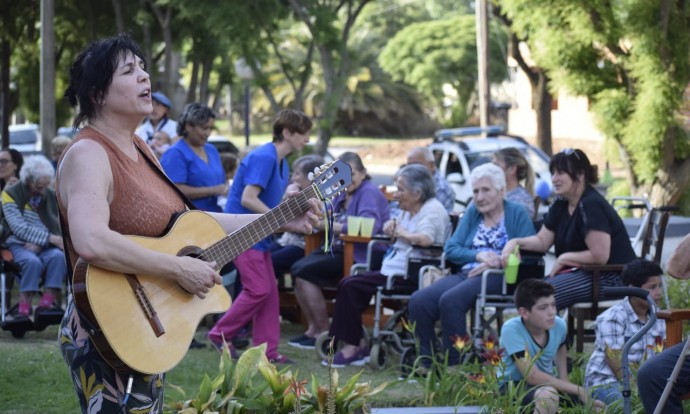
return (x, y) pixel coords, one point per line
(429, 55)
(630, 59)
(239, 388)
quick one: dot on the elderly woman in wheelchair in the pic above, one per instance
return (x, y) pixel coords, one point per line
(423, 222)
(489, 222)
(30, 214)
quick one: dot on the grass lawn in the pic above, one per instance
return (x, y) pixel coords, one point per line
(34, 377)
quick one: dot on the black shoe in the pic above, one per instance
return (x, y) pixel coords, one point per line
(196, 344)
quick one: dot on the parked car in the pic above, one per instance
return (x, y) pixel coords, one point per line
(26, 138)
(67, 131)
(223, 144)
(459, 150)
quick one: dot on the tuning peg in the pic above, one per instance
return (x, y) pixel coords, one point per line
(311, 176)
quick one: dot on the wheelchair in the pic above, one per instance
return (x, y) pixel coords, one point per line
(389, 336)
(487, 314)
(20, 326)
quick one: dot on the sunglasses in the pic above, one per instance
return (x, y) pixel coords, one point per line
(570, 151)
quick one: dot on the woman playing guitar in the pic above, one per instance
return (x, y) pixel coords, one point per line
(110, 185)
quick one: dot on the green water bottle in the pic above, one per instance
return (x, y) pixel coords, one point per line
(512, 265)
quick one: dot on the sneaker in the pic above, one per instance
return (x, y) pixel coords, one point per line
(281, 359)
(309, 343)
(47, 300)
(218, 345)
(196, 344)
(296, 341)
(24, 309)
(358, 359)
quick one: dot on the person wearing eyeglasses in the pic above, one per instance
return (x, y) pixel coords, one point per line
(11, 162)
(583, 228)
(29, 211)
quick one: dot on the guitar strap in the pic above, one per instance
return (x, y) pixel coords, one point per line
(90, 327)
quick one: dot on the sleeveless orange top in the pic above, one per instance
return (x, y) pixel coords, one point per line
(143, 202)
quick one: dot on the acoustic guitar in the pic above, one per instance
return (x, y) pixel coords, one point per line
(145, 323)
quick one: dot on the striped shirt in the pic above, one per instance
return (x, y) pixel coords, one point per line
(26, 226)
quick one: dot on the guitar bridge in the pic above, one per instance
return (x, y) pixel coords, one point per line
(145, 304)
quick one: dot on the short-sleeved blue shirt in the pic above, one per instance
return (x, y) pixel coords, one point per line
(183, 166)
(261, 168)
(516, 340)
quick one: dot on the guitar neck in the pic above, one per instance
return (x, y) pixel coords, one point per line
(228, 248)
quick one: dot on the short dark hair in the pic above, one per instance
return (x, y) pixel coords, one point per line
(92, 72)
(529, 291)
(293, 121)
(17, 159)
(573, 161)
(637, 272)
(194, 114)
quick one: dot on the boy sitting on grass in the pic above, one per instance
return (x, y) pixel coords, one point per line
(618, 324)
(533, 343)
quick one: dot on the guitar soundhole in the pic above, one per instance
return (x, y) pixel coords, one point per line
(192, 251)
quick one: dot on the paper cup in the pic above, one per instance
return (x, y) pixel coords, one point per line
(353, 224)
(367, 226)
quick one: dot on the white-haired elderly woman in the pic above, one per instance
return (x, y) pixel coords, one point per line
(30, 214)
(475, 246)
(423, 222)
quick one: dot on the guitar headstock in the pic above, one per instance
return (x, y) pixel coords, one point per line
(330, 179)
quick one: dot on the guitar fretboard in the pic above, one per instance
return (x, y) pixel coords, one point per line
(226, 249)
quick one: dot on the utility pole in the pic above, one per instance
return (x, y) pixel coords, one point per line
(481, 14)
(47, 98)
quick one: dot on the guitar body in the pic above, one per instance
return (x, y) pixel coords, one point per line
(145, 323)
(108, 299)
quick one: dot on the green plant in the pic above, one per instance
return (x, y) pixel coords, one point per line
(238, 389)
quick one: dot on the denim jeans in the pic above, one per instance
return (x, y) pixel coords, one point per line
(653, 376)
(608, 393)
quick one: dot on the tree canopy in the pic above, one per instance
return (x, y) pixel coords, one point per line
(631, 59)
(431, 54)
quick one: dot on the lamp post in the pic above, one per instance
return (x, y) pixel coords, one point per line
(244, 72)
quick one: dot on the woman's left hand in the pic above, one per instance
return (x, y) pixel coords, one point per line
(490, 258)
(306, 222)
(478, 270)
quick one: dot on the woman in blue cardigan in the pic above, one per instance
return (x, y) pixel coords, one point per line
(489, 222)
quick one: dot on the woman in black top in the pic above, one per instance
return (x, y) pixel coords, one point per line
(583, 228)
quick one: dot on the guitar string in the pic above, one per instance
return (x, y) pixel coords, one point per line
(218, 250)
(300, 204)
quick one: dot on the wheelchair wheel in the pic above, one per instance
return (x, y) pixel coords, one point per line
(394, 325)
(323, 342)
(407, 360)
(377, 356)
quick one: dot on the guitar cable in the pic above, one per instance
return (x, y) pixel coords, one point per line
(128, 392)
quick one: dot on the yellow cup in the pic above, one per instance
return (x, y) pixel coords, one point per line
(353, 224)
(367, 226)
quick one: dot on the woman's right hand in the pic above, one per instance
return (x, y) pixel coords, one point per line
(197, 276)
(220, 189)
(507, 250)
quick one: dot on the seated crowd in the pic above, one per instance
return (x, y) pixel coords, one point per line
(580, 224)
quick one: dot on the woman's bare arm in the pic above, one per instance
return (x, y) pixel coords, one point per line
(85, 187)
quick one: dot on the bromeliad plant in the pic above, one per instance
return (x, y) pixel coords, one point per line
(254, 385)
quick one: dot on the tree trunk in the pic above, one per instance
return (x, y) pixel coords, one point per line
(119, 19)
(47, 76)
(147, 46)
(5, 55)
(206, 66)
(193, 82)
(542, 101)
